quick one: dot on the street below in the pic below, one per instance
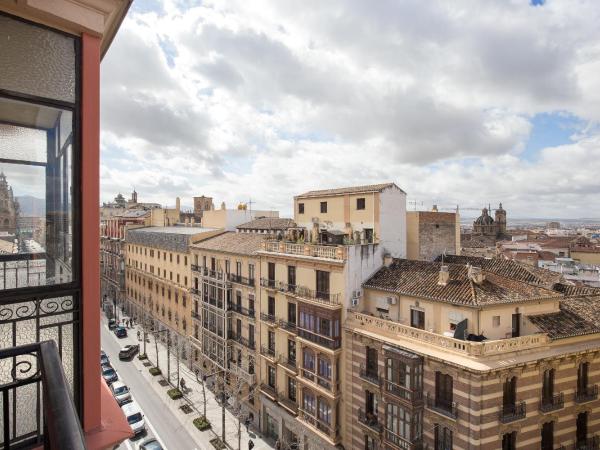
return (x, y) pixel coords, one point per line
(164, 427)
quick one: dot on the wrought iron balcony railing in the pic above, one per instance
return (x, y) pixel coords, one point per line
(267, 351)
(246, 281)
(587, 394)
(288, 326)
(319, 339)
(290, 403)
(52, 407)
(510, 413)
(289, 363)
(442, 406)
(370, 420)
(548, 404)
(302, 292)
(241, 310)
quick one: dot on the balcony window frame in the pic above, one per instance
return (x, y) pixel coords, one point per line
(73, 288)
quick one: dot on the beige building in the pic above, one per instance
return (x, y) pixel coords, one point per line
(432, 233)
(461, 357)
(229, 219)
(308, 279)
(158, 277)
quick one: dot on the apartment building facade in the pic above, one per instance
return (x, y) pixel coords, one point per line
(458, 357)
(225, 339)
(158, 278)
(308, 279)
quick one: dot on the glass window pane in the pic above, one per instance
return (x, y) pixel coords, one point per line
(36, 61)
(36, 217)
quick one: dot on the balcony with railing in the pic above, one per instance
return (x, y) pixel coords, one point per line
(586, 394)
(402, 392)
(320, 298)
(332, 387)
(513, 412)
(370, 421)
(44, 414)
(196, 268)
(311, 420)
(238, 279)
(552, 403)
(330, 252)
(243, 372)
(401, 442)
(290, 327)
(442, 406)
(250, 313)
(397, 331)
(288, 363)
(236, 337)
(370, 375)
(332, 343)
(290, 404)
(270, 391)
(268, 352)
(592, 443)
(269, 318)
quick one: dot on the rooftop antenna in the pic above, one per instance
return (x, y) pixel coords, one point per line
(250, 205)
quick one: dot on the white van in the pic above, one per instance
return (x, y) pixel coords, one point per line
(135, 418)
(120, 392)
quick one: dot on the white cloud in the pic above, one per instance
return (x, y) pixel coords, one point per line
(267, 99)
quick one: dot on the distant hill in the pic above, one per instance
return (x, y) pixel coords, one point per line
(32, 206)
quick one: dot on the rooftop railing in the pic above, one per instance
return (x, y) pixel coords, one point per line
(397, 330)
(335, 252)
(52, 409)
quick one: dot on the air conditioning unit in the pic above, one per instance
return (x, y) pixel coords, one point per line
(391, 300)
(357, 293)
(355, 301)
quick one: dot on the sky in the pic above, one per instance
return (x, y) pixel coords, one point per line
(463, 103)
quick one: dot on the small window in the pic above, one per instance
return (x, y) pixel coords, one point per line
(360, 203)
(496, 321)
(323, 207)
(300, 208)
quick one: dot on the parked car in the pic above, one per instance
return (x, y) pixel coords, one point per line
(120, 392)
(121, 332)
(109, 374)
(104, 361)
(112, 323)
(151, 444)
(134, 416)
(128, 351)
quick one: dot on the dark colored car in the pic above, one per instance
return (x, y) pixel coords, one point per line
(128, 351)
(121, 332)
(151, 444)
(109, 374)
(112, 323)
(104, 361)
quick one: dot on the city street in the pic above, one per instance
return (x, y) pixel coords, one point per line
(172, 427)
(164, 426)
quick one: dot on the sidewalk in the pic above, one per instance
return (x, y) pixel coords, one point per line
(192, 396)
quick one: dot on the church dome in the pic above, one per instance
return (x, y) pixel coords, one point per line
(484, 218)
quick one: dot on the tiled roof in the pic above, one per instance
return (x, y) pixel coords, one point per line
(176, 239)
(508, 268)
(571, 290)
(232, 242)
(350, 190)
(577, 317)
(267, 223)
(420, 279)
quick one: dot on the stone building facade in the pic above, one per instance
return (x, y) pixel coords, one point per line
(432, 233)
(418, 383)
(9, 208)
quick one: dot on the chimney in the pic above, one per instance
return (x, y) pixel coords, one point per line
(476, 274)
(387, 260)
(444, 276)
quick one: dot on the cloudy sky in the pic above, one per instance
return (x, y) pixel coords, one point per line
(462, 102)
